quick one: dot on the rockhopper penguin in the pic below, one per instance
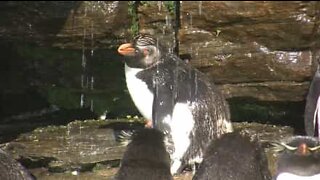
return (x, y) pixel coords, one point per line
(298, 158)
(180, 100)
(234, 156)
(145, 158)
(312, 109)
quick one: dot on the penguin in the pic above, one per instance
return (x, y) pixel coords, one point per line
(298, 158)
(312, 114)
(10, 169)
(234, 156)
(145, 158)
(178, 99)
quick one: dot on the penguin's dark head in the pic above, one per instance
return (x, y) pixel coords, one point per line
(299, 156)
(144, 51)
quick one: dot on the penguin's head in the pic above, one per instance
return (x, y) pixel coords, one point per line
(298, 158)
(144, 51)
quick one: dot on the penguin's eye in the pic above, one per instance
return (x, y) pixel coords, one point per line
(146, 51)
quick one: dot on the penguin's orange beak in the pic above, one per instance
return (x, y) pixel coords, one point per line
(126, 49)
(303, 149)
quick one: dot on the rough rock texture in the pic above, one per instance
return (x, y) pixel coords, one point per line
(64, 24)
(90, 147)
(240, 43)
(248, 44)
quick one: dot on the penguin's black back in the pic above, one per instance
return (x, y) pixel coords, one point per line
(145, 158)
(311, 103)
(10, 169)
(233, 157)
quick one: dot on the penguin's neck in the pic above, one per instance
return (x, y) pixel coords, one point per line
(139, 92)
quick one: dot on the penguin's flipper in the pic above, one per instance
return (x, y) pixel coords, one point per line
(162, 107)
(316, 118)
(311, 105)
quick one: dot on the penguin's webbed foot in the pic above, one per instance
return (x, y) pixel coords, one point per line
(148, 124)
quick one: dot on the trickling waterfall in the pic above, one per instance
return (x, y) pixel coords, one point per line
(83, 65)
(177, 26)
(200, 8)
(87, 78)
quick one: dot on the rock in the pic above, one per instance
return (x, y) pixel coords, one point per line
(71, 147)
(267, 91)
(81, 146)
(65, 24)
(246, 44)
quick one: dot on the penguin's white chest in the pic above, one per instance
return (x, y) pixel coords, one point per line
(141, 96)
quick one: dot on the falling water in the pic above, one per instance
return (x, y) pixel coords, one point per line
(92, 48)
(91, 54)
(169, 38)
(200, 8)
(168, 20)
(196, 87)
(177, 26)
(159, 3)
(84, 65)
(87, 79)
(167, 33)
(189, 16)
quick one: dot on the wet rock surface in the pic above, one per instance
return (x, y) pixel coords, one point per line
(86, 149)
(64, 24)
(246, 44)
(232, 42)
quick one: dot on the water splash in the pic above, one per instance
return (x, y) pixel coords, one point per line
(284, 57)
(304, 18)
(106, 7)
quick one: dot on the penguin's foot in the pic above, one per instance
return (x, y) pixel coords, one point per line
(148, 124)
